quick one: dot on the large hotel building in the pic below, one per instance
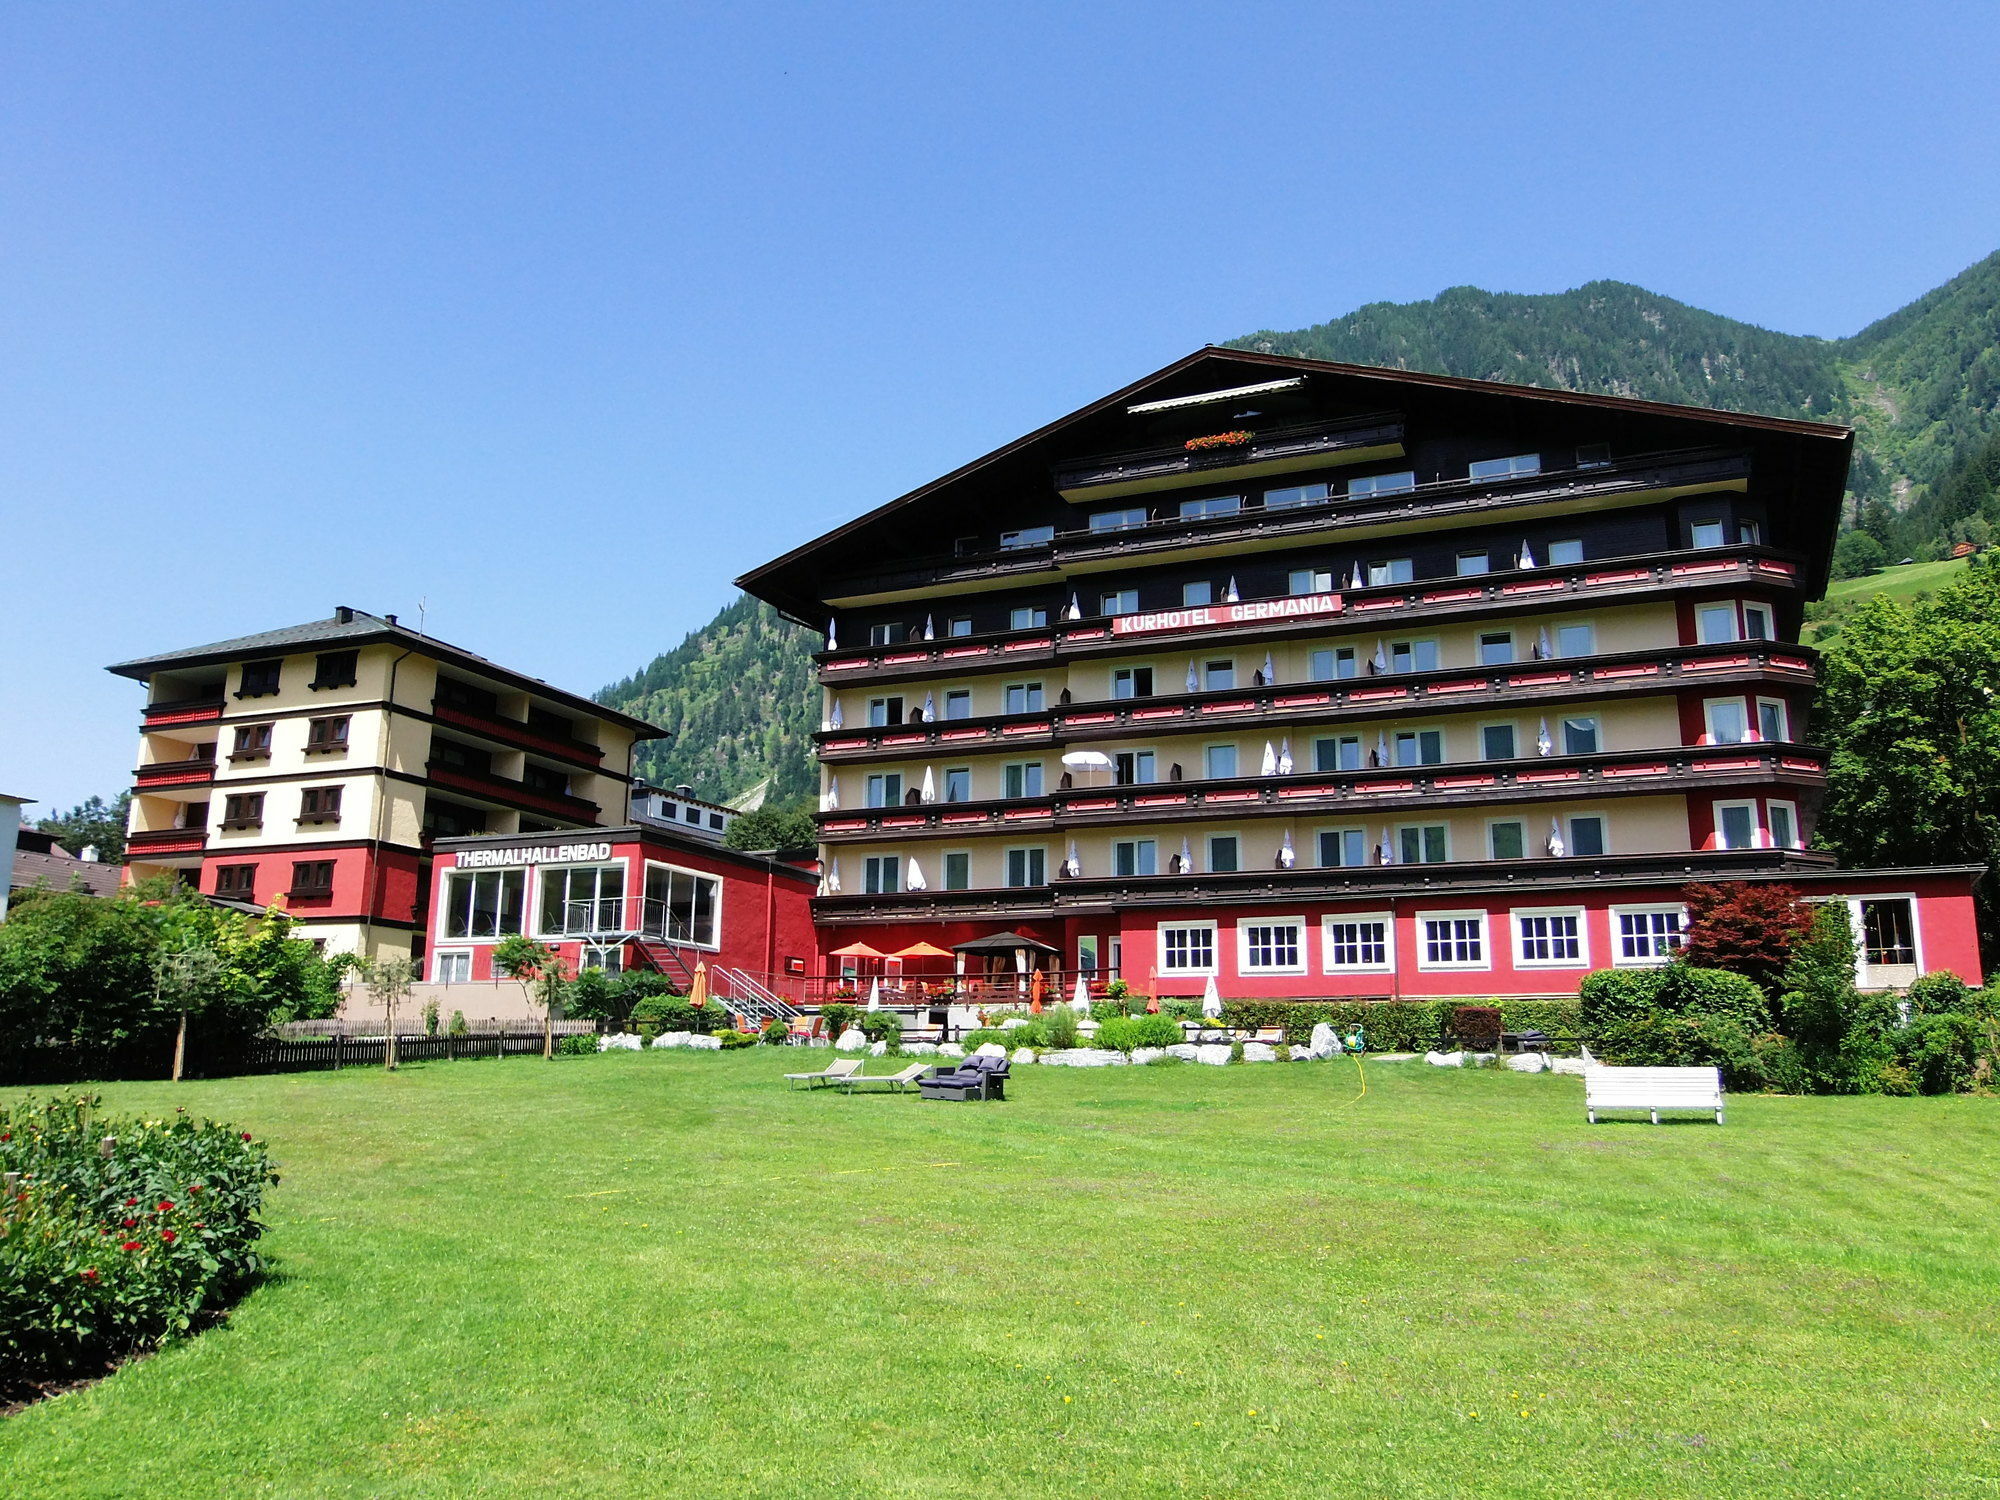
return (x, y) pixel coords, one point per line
(1328, 680)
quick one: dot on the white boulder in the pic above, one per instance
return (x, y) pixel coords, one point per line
(1325, 1042)
(1185, 1051)
(920, 1049)
(1215, 1054)
(1528, 1062)
(619, 1041)
(1012, 1021)
(1143, 1055)
(878, 1049)
(851, 1040)
(1572, 1065)
(672, 1039)
(1259, 1052)
(1085, 1057)
(1445, 1059)
(950, 1049)
(704, 1044)
(1022, 1055)
(989, 1049)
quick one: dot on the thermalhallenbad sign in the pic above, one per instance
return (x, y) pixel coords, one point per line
(539, 854)
(1207, 616)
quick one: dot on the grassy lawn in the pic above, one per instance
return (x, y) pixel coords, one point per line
(1899, 582)
(664, 1275)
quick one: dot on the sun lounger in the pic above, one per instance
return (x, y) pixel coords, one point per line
(894, 1083)
(831, 1073)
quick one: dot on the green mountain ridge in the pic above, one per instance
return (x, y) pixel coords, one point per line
(1921, 387)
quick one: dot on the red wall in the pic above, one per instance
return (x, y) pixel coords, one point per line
(394, 888)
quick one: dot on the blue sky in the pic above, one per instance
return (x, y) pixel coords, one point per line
(560, 317)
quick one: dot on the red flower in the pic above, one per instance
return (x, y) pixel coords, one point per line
(168, 1235)
(90, 1273)
(199, 1224)
(246, 1135)
(131, 1202)
(166, 1206)
(6, 1135)
(196, 1188)
(129, 1245)
(131, 1224)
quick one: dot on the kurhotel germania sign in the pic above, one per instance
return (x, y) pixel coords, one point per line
(1207, 616)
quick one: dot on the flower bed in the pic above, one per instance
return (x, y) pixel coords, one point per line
(105, 1252)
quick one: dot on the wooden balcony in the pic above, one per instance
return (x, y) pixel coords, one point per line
(1400, 606)
(157, 841)
(512, 793)
(170, 773)
(517, 735)
(1275, 451)
(1389, 791)
(1288, 707)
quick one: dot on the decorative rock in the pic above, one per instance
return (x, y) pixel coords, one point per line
(1022, 1055)
(920, 1049)
(1382, 1057)
(989, 1049)
(672, 1039)
(950, 1049)
(1482, 1059)
(1086, 1057)
(851, 1040)
(619, 1041)
(1572, 1065)
(1012, 1021)
(878, 1049)
(1259, 1052)
(1528, 1062)
(1143, 1055)
(704, 1044)
(1445, 1059)
(1324, 1041)
(1305, 1054)
(1185, 1051)
(1215, 1054)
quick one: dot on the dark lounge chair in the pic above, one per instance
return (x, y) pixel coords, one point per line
(974, 1078)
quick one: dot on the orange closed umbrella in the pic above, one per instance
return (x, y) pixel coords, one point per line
(1152, 992)
(698, 991)
(1037, 988)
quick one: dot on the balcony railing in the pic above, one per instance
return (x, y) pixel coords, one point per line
(1681, 469)
(161, 773)
(182, 711)
(1395, 604)
(1379, 791)
(1403, 694)
(1113, 472)
(515, 732)
(515, 793)
(166, 841)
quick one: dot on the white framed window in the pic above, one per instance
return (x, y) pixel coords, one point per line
(1423, 843)
(1749, 533)
(1390, 570)
(1225, 854)
(1706, 533)
(1308, 581)
(1087, 955)
(1472, 564)
(1506, 838)
(1774, 720)
(451, 967)
(1506, 468)
(1132, 682)
(1187, 948)
(1194, 595)
(610, 960)
(1580, 735)
(1023, 698)
(1498, 742)
(581, 899)
(1297, 494)
(1565, 552)
(884, 713)
(1578, 638)
(958, 783)
(1337, 753)
(1419, 747)
(1646, 936)
(1782, 818)
(881, 875)
(1887, 930)
(1119, 520)
(1414, 656)
(958, 625)
(1134, 767)
(885, 789)
(1333, 664)
(1135, 857)
(1027, 867)
(1271, 945)
(884, 635)
(1496, 648)
(1550, 938)
(1758, 623)
(1027, 618)
(484, 903)
(958, 703)
(1214, 505)
(1342, 848)
(1725, 721)
(1218, 762)
(1451, 940)
(1399, 483)
(1357, 943)
(1587, 836)
(1218, 675)
(1715, 624)
(958, 870)
(1021, 778)
(1736, 825)
(682, 906)
(1122, 602)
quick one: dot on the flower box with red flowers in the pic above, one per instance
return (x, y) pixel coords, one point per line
(1215, 440)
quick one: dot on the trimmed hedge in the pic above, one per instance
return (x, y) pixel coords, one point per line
(1399, 1025)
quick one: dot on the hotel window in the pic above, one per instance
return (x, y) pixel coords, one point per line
(1028, 536)
(610, 960)
(884, 712)
(1194, 595)
(885, 789)
(1218, 762)
(1133, 768)
(1453, 940)
(884, 635)
(253, 741)
(681, 905)
(1132, 682)
(1308, 581)
(1399, 483)
(1648, 934)
(1214, 505)
(1888, 934)
(1187, 948)
(483, 903)
(1749, 533)
(1549, 939)
(1705, 534)
(1123, 602)
(881, 875)
(958, 784)
(1472, 564)
(689, 814)
(1496, 648)
(958, 703)
(1506, 840)
(1135, 857)
(452, 968)
(1506, 468)
(1413, 656)
(1027, 867)
(1225, 854)
(1714, 624)
(1337, 753)
(1027, 618)
(958, 625)
(312, 877)
(319, 804)
(1496, 742)
(1736, 825)
(1023, 698)
(717, 822)
(451, 820)
(1757, 624)
(1118, 520)
(1022, 778)
(1342, 848)
(1355, 943)
(1420, 747)
(1424, 843)
(1726, 722)
(1272, 947)
(326, 734)
(1586, 835)
(236, 880)
(243, 810)
(1783, 818)
(1218, 676)
(958, 871)
(1593, 455)
(1331, 666)
(1390, 570)
(335, 669)
(578, 899)
(1087, 955)
(1773, 722)
(192, 815)
(1565, 552)
(260, 678)
(550, 782)
(1580, 736)
(1294, 495)
(1576, 640)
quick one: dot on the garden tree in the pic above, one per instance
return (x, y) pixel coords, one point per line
(539, 970)
(1857, 554)
(774, 828)
(1818, 1003)
(93, 823)
(1907, 706)
(1745, 928)
(186, 980)
(388, 980)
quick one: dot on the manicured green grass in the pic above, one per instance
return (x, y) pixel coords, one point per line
(1898, 582)
(664, 1275)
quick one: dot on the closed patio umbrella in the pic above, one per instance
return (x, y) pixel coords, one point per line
(1543, 744)
(930, 707)
(928, 791)
(1527, 554)
(1080, 1001)
(833, 877)
(831, 643)
(1269, 765)
(834, 719)
(831, 801)
(1194, 677)
(1270, 670)
(1187, 858)
(1381, 747)
(1211, 1000)
(1386, 850)
(1543, 650)
(1074, 610)
(1557, 849)
(1229, 595)
(1072, 866)
(915, 878)
(1285, 756)
(1038, 989)
(930, 629)
(1287, 856)
(698, 989)
(875, 993)
(1354, 580)
(1379, 662)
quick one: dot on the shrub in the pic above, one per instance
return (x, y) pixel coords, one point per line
(837, 1017)
(577, 1045)
(669, 1013)
(1121, 1033)
(430, 1018)
(1476, 1026)
(1236, 1052)
(103, 1256)
(1060, 1025)
(593, 996)
(1108, 1010)
(776, 1032)
(1608, 997)
(1745, 928)
(1554, 1018)
(1689, 991)
(458, 1026)
(1942, 992)
(1181, 1010)
(1118, 992)
(883, 1026)
(1385, 1025)
(1668, 1041)
(1942, 1052)
(733, 1039)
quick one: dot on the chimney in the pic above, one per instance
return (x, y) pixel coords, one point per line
(343, 615)
(89, 855)
(390, 618)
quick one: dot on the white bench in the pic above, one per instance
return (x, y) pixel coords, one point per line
(1652, 1089)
